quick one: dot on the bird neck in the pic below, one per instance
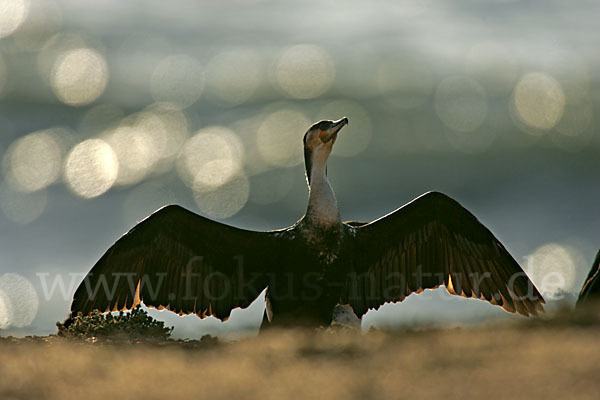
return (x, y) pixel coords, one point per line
(322, 205)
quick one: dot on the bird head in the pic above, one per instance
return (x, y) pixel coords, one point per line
(318, 142)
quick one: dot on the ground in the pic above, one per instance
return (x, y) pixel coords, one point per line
(534, 360)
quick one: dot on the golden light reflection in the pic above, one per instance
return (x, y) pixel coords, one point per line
(461, 103)
(538, 101)
(91, 168)
(279, 137)
(22, 300)
(210, 158)
(34, 161)
(79, 76)
(355, 137)
(20, 207)
(493, 66)
(233, 76)
(177, 79)
(553, 268)
(405, 82)
(224, 201)
(305, 71)
(12, 14)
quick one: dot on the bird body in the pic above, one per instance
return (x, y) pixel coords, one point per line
(181, 261)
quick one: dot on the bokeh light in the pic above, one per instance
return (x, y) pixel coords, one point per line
(305, 71)
(210, 158)
(170, 131)
(494, 66)
(178, 79)
(12, 14)
(279, 137)
(461, 103)
(91, 168)
(553, 268)
(58, 45)
(34, 161)
(135, 153)
(147, 141)
(355, 137)
(21, 301)
(5, 310)
(571, 70)
(405, 82)
(233, 76)
(246, 128)
(224, 201)
(20, 207)
(79, 76)
(538, 102)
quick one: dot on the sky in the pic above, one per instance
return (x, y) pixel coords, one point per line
(109, 111)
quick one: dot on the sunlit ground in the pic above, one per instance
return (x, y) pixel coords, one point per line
(500, 362)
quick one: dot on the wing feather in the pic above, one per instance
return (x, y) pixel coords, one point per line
(183, 262)
(434, 241)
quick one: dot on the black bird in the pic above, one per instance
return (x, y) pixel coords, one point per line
(591, 287)
(186, 263)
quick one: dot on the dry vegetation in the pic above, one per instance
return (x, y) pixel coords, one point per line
(557, 359)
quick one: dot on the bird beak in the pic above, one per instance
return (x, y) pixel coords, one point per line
(331, 133)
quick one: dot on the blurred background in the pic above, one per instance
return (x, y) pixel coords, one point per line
(109, 110)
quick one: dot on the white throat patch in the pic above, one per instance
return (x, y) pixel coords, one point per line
(322, 204)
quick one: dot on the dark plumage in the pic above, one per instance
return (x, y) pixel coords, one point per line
(186, 263)
(591, 287)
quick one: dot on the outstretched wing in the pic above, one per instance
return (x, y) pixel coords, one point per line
(591, 287)
(180, 261)
(429, 242)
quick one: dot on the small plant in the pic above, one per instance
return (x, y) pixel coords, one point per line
(134, 325)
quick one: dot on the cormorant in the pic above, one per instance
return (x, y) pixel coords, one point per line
(186, 263)
(591, 287)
